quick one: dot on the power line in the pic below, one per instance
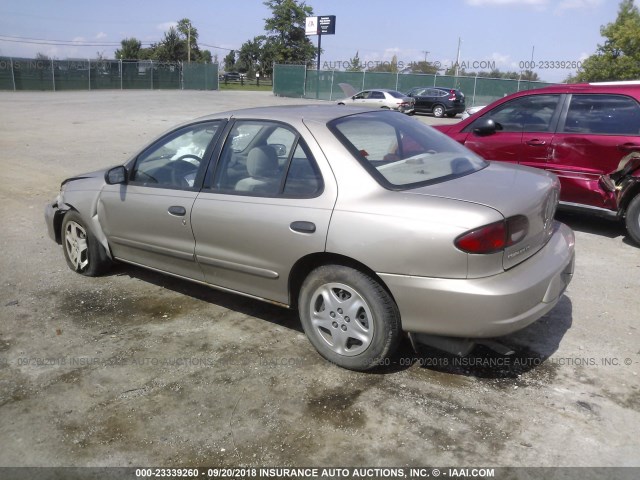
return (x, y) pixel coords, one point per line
(82, 43)
(44, 41)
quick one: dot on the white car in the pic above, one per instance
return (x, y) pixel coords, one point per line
(381, 98)
(471, 110)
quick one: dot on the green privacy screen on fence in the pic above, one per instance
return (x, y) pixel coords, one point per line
(294, 81)
(55, 75)
(289, 80)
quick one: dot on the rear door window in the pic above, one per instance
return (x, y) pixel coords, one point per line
(603, 115)
(273, 162)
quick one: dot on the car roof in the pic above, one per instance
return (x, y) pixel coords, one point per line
(378, 90)
(291, 113)
(446, 89)
(603, 87)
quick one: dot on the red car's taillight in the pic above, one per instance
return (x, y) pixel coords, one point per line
(494, 237)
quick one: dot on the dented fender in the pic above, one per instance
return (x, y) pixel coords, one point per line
(623, 180)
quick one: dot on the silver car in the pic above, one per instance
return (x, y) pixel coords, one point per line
(381, 98)
(370, 223)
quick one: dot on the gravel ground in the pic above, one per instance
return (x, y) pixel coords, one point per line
(135, 368)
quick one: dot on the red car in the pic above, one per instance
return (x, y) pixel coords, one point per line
(587, 134)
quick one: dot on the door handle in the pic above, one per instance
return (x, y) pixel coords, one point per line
(303, 227)
(177, 211)
(536, 143)
(629, 147)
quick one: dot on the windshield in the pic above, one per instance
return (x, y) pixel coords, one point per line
(401, 152)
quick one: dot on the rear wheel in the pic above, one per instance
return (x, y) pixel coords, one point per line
(82, 251)
(632, 219)
(438, 111)
(348, 317)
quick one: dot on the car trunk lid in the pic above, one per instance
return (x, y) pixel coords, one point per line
(513, 191)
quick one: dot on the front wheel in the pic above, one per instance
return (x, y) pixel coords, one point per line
(632, 219)
(82, 251)
(349, 317)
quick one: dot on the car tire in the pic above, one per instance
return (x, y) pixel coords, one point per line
(82, 251)
(349, 317)
(438, 111)
(632, 219)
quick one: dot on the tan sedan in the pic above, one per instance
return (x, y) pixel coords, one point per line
(370, 223)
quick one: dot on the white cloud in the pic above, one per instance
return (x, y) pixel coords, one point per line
(584, 56)
(578, 4)
(501, 59)
(166, 26)
(101, 35)
(79, 39)
(492, 3)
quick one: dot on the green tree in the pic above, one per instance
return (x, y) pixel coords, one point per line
(524, 75)
(619, 57)
(230, 61)
(189, 34)
(206, 57)
(286, 40)
(129, 49)
(172, 48)
(355, 65)
(423, 67)
(388, 67)
(251, 56)
(175, 46)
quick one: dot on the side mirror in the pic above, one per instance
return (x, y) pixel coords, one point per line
(116, 175)
(281, 150)
(486, 126)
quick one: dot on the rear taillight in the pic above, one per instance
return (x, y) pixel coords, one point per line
(494, 237)
(452, 95)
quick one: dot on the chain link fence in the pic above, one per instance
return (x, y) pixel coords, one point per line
(56, 75)
(297, 81)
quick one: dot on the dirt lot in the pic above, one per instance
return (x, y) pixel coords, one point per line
(139, 369)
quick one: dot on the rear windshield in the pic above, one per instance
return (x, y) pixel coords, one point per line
(401, 152)
(395, 94)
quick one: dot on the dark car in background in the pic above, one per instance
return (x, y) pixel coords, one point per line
(439, 101)
(587, 134)
(231, 76)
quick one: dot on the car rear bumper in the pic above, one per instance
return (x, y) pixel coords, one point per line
(491, 306)
(407, 109)
(455, 108)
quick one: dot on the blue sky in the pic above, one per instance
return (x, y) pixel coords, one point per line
(500, 31)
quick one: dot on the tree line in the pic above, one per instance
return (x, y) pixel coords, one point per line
(179, 44)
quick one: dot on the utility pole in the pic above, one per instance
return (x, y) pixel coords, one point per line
(458, 57)
(189, 45)
(426, 52)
